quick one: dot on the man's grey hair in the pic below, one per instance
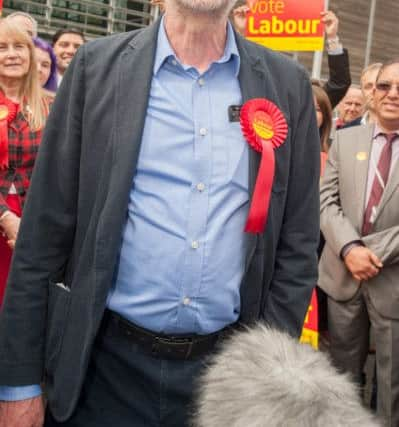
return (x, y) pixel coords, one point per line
(265, 378)
(374, 66)
(25, 15)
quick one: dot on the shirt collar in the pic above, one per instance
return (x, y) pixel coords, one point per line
(164, 49)
(378, 131)
(365, 118)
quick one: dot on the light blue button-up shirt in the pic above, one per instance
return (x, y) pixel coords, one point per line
(183, 249)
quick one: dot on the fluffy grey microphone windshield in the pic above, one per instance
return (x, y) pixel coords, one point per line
(264, 378)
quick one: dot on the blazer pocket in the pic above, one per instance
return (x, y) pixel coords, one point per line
(59, 299)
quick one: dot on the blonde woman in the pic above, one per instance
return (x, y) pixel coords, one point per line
(23, 112)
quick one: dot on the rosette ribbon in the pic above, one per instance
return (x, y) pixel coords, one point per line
(265, 128)
(8, 112)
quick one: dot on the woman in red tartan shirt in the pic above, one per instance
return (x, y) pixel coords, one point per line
(23, 112)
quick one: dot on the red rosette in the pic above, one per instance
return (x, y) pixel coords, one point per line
(265, 128)
(8, 112)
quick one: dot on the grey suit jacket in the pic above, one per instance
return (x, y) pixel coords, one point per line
(73, 218)
(342, 201)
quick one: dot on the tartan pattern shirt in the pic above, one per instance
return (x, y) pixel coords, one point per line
(23, 146)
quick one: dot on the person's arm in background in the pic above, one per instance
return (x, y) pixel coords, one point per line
(339, 79)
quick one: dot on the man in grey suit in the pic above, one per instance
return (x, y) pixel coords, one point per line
(359, 267)
(132, 261)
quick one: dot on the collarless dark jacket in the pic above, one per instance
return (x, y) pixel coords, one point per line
(71, 230)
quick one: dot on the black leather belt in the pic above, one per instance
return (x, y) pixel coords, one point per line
(178, 347)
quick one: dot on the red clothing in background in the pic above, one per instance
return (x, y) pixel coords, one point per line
(23, 146)
(5, 251)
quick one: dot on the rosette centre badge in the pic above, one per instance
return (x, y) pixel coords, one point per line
(265, 128)
(3, 112)
(263, 125)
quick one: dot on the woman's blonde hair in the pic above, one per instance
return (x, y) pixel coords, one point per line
(33, 100)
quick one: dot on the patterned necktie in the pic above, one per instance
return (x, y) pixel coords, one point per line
(379, 183)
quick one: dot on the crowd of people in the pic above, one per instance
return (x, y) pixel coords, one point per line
(130, 264)
(31, 71)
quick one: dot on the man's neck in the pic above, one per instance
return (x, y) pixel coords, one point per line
(197, 40)
(388, 126)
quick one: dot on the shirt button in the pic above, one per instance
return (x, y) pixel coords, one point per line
(203, 131)
(186, 301)
(174, 62)
(195, 244)
(201, 186)
(201, 82)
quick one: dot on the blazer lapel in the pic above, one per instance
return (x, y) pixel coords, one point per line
(392, 185)
(133, 75)
(362, 161)
(133, 88)
(254, 83)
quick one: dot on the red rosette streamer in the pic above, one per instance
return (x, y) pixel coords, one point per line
(8, 112)
(265, 128)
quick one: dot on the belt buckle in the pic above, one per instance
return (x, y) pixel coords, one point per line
(170, 348)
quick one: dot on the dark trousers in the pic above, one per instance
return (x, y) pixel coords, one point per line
(125, 387)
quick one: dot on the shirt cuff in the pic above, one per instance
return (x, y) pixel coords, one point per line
(347, 248)
(11, 393)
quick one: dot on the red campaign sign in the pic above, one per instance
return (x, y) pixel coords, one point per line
(311, 319)
(286, 24)
(310, 331)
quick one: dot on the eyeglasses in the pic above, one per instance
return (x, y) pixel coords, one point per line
(386, 87)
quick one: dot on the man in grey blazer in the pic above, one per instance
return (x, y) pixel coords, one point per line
(132, 262)
(359, 267)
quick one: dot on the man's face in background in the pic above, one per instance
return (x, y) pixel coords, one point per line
(352, 105)
(367, 84)
(65, 48)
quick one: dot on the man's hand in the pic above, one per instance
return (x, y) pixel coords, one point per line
(330, 21)
(10, 226)
(22, 413)
(240, 19)
(362, 263)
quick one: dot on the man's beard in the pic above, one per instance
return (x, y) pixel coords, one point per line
(214, 7)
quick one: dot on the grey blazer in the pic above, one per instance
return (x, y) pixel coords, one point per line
(342, 200)
(71, 230)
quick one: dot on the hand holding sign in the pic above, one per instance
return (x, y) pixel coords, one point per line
(330, 22)
(286, 24)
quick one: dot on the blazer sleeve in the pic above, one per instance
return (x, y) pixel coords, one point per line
(335, 226)
(295, 267)
(46, 234)
(385, 244)
(339, 78)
